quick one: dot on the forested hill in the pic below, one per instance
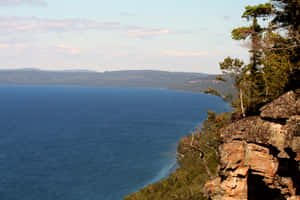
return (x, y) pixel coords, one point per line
(194, 82)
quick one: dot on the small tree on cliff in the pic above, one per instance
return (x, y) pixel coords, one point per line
(236, 69)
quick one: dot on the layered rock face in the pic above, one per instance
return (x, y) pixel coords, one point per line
(260, 155)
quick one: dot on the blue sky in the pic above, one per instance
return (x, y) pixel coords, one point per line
(173, 35)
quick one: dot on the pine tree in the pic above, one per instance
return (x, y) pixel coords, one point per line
(254, 77)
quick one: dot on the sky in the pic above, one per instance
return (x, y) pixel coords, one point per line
(108, 35)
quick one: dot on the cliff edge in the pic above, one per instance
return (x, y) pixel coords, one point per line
(260, 155)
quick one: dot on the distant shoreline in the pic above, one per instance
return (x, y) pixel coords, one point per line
(176, 81)
(42, 85)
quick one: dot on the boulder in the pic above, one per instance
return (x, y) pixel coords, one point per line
(281, 108)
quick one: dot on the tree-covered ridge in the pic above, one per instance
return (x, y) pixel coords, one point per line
(192, 82)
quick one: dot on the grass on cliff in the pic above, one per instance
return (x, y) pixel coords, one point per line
(187, 182)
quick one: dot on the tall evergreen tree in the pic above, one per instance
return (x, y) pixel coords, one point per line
(252, 76)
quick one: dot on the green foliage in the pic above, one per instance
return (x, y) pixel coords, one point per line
(187, 182)
(287, 13)
(261, 10)
(234, 67)
(274, 66)
(276, 75)
(238, 71)
(287, 17)
(200, 85)
(212, 91)
(228, 98)
(241, 33)
(221, 78)
(211, 115)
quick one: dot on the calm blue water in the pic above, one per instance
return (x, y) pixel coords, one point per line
(89, 143)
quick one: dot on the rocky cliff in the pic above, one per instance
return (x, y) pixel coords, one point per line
(260, 155)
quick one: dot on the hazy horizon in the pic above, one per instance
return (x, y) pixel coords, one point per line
(175, 36)
(90, 70)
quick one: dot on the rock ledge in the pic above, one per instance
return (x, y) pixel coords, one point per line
(260, 155)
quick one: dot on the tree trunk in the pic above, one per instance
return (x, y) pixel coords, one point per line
(242, 102)
(205, 165)
(201, 156)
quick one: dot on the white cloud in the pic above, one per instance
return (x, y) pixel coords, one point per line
(142, 33)
(226, 18)
(2, 46)
(184, 53)
(67, 49)
(22, 2)
(126, 14)
(35, 25)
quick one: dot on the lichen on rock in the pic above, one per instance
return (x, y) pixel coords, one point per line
(281, 108)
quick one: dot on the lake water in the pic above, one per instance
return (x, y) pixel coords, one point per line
(91, 143)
